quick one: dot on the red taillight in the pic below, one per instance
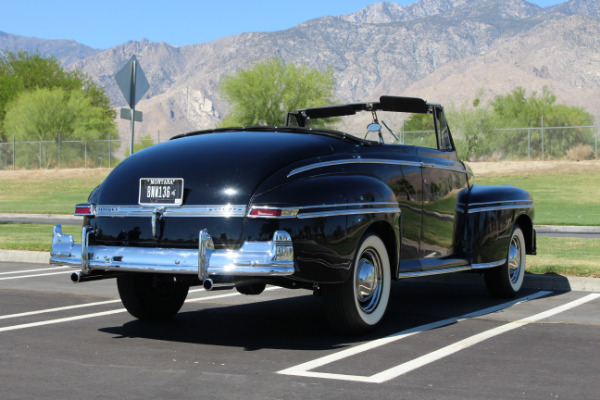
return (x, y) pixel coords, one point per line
(83, 209)
(273, 212)
(265, 212)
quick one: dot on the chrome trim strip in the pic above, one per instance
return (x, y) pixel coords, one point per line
(370, 161)
(501, 202)
(352, 161)
(489, 265)
(494, 206)
(298, 212)
(240, 211)
(375, 203)
(499, 208)
(271, 258)
(357, 211)
(207, 211)
(415, 274)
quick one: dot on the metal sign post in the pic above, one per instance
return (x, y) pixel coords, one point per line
(133, 84)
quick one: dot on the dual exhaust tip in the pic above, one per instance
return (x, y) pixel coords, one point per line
(78, 276)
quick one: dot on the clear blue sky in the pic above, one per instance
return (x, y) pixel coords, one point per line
(107, 23)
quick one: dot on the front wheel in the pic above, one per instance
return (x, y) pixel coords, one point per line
(505, 281)
(151, 297)
(359, 304)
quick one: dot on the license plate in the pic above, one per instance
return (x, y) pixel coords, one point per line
(168, 191)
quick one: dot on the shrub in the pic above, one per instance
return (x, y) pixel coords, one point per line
(580, 152)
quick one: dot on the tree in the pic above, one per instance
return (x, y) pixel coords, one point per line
(55, 114)
(265, 93)
(516, 110)
(478, 130)
(141, 143)
(21, 72)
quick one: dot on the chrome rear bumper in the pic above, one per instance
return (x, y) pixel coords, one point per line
(272, 258)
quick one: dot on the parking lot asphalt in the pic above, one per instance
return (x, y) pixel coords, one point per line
(439, 340)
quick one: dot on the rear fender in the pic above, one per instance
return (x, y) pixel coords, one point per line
(490, 214)
(333, 213)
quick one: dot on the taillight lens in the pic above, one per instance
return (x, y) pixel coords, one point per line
(84, 209)
(273, 212)
(265, 212)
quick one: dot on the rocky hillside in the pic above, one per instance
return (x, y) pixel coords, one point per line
(442, 50)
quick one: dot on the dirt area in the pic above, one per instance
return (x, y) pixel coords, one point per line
(482, 169)
(41, 174)
(528, 168)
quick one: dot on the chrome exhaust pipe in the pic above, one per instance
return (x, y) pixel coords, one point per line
(208, 284)
(77, 277)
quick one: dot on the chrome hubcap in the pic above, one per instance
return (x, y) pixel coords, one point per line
(368, 281)
(514, 259)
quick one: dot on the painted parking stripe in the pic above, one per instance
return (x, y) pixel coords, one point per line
(305, 369)
(57, 309)
(27, 271)
(33, 276)
(98, 314)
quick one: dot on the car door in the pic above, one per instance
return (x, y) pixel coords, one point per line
(444, 176)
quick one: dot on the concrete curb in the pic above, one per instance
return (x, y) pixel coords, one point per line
(37, 257)
(541, 282)
(567, 229)
(41, 218)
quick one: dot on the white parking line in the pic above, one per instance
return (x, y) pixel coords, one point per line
(27, 271)
(34, 276)
(98, 314)
(56, 309)
(305, 369)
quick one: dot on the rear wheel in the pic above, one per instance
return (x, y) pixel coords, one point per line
(359, 304)
(152, 297)
(506, 280)
(251, 289)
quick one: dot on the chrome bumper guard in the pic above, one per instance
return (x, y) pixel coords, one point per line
(272, 258)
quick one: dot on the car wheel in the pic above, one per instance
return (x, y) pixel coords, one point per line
(506, 280)
(359, 304)
(150, 297)
(251, 288)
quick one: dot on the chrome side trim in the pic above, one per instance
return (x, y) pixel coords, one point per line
(271, 258)
(498, 208)
(240, 211)
(371, 161)
(415, 274)
(357, 211)
(207, 211)
(352, 161)
(489, 265)
(329, 210)
(494, 206)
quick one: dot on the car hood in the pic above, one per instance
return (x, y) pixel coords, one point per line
(217, 168)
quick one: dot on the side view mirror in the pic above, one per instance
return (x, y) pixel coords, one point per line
(374, 127)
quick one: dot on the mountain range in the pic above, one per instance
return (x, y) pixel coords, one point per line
(445, 51)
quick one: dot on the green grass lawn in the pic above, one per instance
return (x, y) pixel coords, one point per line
(47, 191)
(560, 199)
(32, 237)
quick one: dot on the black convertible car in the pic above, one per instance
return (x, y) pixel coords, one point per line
(342, 200)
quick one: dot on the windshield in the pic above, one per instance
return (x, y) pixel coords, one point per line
(384, 127)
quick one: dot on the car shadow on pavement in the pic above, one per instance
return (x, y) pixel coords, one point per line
(299, 323)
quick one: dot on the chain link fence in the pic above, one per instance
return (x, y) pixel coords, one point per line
(574, 143)
(65, 153)
(549, 143)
